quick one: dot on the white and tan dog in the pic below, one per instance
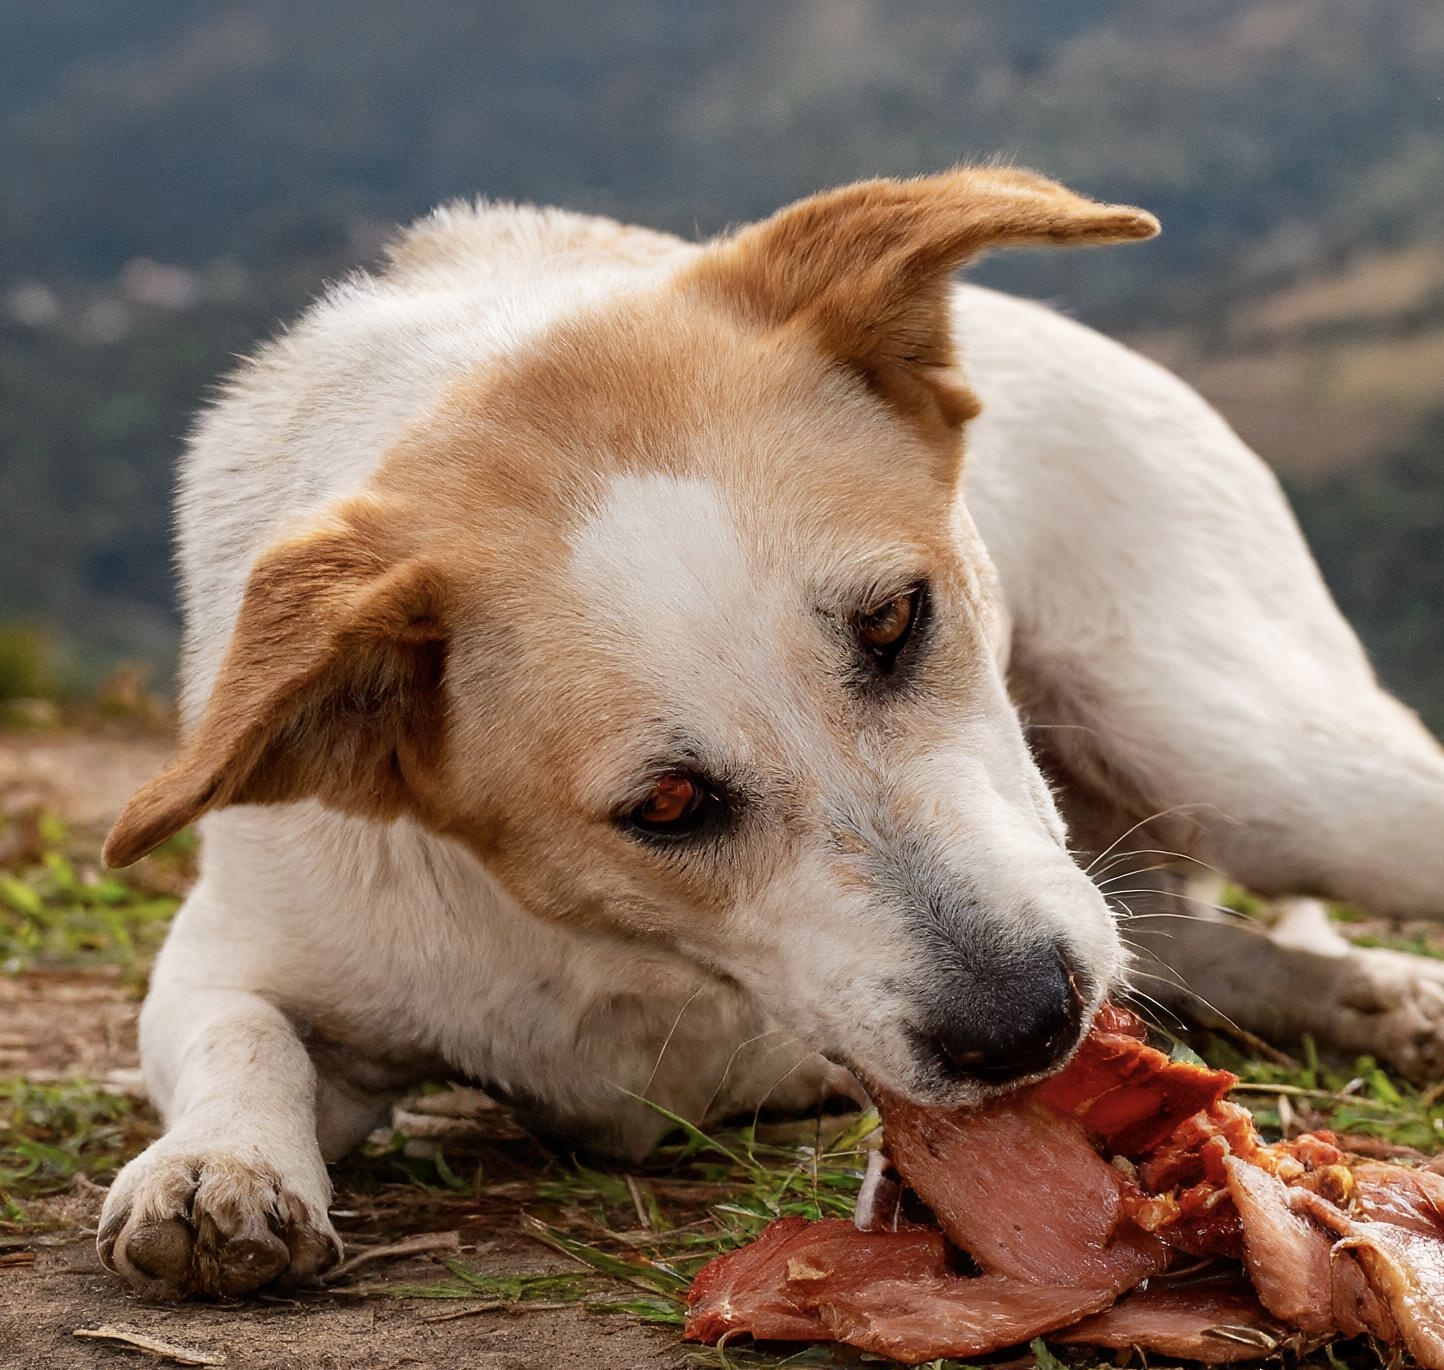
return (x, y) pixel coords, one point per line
(598, 683)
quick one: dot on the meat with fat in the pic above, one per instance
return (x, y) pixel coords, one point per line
(748, 1290)
(1216, 1322)
(1068, 1196)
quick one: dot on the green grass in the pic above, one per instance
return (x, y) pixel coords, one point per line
(638, 1238)
(633, 1239)
(59, 910)
(50, 1134)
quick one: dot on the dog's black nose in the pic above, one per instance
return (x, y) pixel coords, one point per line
(1020, 1021)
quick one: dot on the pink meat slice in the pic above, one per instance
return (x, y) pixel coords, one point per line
(1217, 1323)
(1404, 1270)
(1287, 1256)
(1406, 1197)
(1358, 1310)
(926, 1319)
(1021, 1189)
(747, 1289)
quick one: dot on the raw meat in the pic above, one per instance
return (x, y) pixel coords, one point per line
(1067, 1209)
(1216, 1322)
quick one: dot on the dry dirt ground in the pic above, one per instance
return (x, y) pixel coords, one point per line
(56, 1025)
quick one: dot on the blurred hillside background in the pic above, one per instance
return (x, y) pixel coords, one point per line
(179, 176)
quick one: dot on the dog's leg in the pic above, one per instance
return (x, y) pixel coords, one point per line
(1299, 978)
(1177, 643)
(236, 1192)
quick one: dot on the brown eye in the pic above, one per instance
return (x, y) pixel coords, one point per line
(884, 631)
(673, 797)
(677, 805)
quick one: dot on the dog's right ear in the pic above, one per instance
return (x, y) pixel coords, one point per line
(865, 270)
(330, 689)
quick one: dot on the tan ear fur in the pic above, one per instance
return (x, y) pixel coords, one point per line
(866, 269)
(332, 674)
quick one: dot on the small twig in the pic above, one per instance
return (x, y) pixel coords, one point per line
(495, 1306)
(498, 1306)
(151, 1346)
(408, 1246)
(638, 1202)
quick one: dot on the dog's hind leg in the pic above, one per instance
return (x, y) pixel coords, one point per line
(1194, 689)
(1174, 642)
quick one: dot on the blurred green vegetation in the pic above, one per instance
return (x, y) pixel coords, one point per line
(61, 910)
(26, 669)
(1380, 544)
(183, 175)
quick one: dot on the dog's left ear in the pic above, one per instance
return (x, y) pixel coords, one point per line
(866, 269)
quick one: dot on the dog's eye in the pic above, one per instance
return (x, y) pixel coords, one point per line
(885, 630)
(678, 804)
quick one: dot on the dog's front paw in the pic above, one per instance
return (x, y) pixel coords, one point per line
(186, 1219)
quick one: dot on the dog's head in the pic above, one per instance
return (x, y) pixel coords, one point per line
(676, 619)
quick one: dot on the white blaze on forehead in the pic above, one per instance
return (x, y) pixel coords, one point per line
(662, 566)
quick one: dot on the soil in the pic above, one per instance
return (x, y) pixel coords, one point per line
(42, 1305)
(54, 1025)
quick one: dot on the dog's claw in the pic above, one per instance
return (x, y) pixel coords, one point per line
(177, 1224)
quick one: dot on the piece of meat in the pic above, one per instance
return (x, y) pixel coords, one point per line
(1333, 1243)
(1194, 1152)
(1201, 1220)
(1358, 1310)
(1022, 1191)
(1286, 1255)
(1405, 1196)
(927, 1319)
(1216, 1322)
(747, 1290)
(1128, 1095)
(1403, 1269)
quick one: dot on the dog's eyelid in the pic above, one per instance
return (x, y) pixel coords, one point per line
(845, 604)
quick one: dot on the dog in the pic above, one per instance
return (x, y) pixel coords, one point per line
(620, 670)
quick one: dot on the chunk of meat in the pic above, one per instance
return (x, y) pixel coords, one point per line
(1408, 1198)
(1216, 1322)
(1403, 1269)
(923, 1320)
(1332, 1242)
(1194, 1152)
(1287, 1256)
(1128, 1095)
(1023, 1192)
(747, 1290)
(1358, 1309)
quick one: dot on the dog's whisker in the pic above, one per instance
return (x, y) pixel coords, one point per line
(1150, 851)
(1133, 874)
(776, 1085)
(1139, 996)
(1127, 833)
(736, 1052)
(1180, 987)
(667, 1041)
(1187, 898)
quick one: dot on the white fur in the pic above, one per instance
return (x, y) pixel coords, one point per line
(1148, 565)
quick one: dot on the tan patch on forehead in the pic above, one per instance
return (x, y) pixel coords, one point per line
(637, 516)
(659, 383)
